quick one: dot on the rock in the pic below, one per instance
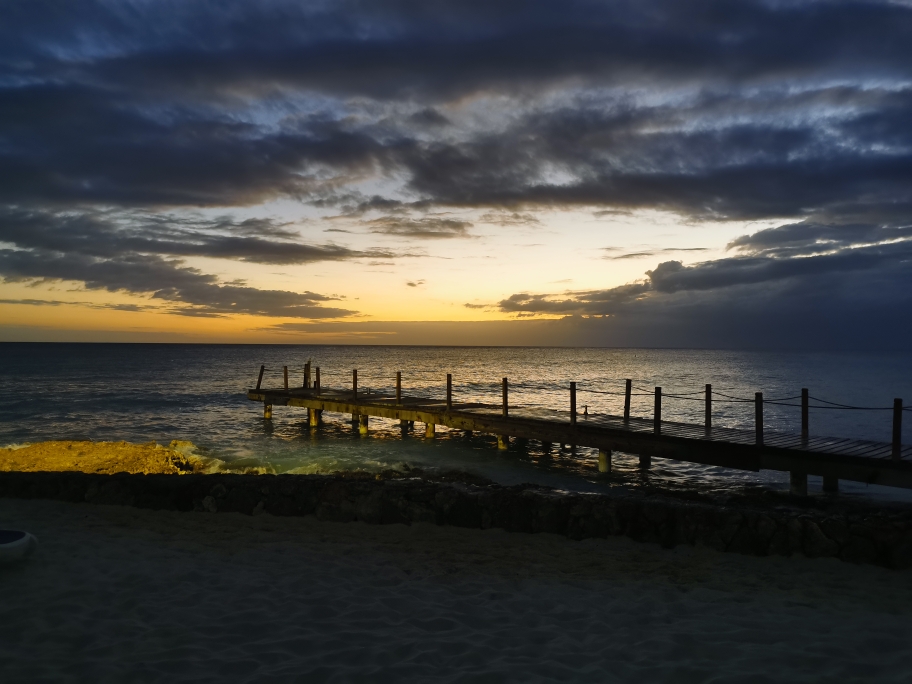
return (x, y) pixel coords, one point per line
(815, 543)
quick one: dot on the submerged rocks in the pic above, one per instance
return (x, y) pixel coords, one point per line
(756, 527)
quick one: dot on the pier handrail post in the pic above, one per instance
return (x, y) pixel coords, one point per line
(708, 411)
(317, 380)
(285, 369)
(506, 405)
(260, 378)
(657, 418)
(628, 387)
(307, 375)
(758, 417)
(355, 383)
(398, 387)
(449, 403)
(897, 427)
(805, 413)
(573, 403)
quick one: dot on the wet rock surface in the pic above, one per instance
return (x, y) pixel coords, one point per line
(760, 524)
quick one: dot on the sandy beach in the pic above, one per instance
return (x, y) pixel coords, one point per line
(122, 594)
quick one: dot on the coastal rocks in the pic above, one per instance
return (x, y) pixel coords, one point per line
(880, 536)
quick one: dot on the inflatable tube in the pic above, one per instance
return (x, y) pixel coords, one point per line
(15, 545)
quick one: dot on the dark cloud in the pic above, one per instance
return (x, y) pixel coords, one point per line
(705, 108)
(427, 228)
(196, 293)
(125, 253)
(105, 234)
(649, 253)
(789, 289)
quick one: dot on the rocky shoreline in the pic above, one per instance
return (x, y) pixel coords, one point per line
(761, 525)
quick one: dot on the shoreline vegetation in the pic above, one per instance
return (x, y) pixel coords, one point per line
(761, 523)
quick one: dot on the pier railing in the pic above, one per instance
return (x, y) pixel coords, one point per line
(706, 395)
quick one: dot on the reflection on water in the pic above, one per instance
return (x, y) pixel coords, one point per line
(197, 392)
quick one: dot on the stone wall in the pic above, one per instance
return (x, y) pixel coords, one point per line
(882, 536)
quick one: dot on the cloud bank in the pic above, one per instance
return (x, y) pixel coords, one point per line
(118, 118)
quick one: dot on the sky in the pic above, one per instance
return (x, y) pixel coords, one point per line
(661, 173)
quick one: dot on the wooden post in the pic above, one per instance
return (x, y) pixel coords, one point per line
(604, 462)
(317, 381)
(267, 411)
(805, 413)
(657, 417)
(449, 401)
(355, 384)
(429, 429)
(758, 417)
(708, 412)
(798, 483)
(506, 405)
(897, 427)
(313, 418)
(398, 387)
(362, 424)
(573, 403)
(503, 442)
(285, 368)
(307, 375)
(260, 378)
(627, 389)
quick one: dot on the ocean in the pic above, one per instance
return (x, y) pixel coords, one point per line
(163, 392)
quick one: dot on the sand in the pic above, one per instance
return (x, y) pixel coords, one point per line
(121, 594)
(104, 458)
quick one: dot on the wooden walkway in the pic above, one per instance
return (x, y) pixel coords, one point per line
(832, 458)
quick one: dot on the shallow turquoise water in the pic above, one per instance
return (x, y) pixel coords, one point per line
(197, 392)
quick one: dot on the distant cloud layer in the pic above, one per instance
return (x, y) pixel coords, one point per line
(115, 117)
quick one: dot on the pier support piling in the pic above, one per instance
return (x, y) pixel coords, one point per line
(398, 388)
(897, 428)
(708, 409)
(267, 411)
(758, 417)
(604, 461)
(627, 388)
(362, 424)
(506, 403)
(429, 430)
(260, 378)
(805, 417)
(317, 381)
(657, 415)
(645, 462)
(449, 394)
(503, 442)
(285, 370)
(313, 418)
(573, 403)
(798, 483)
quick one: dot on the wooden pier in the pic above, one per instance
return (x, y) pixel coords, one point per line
(882, 463)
